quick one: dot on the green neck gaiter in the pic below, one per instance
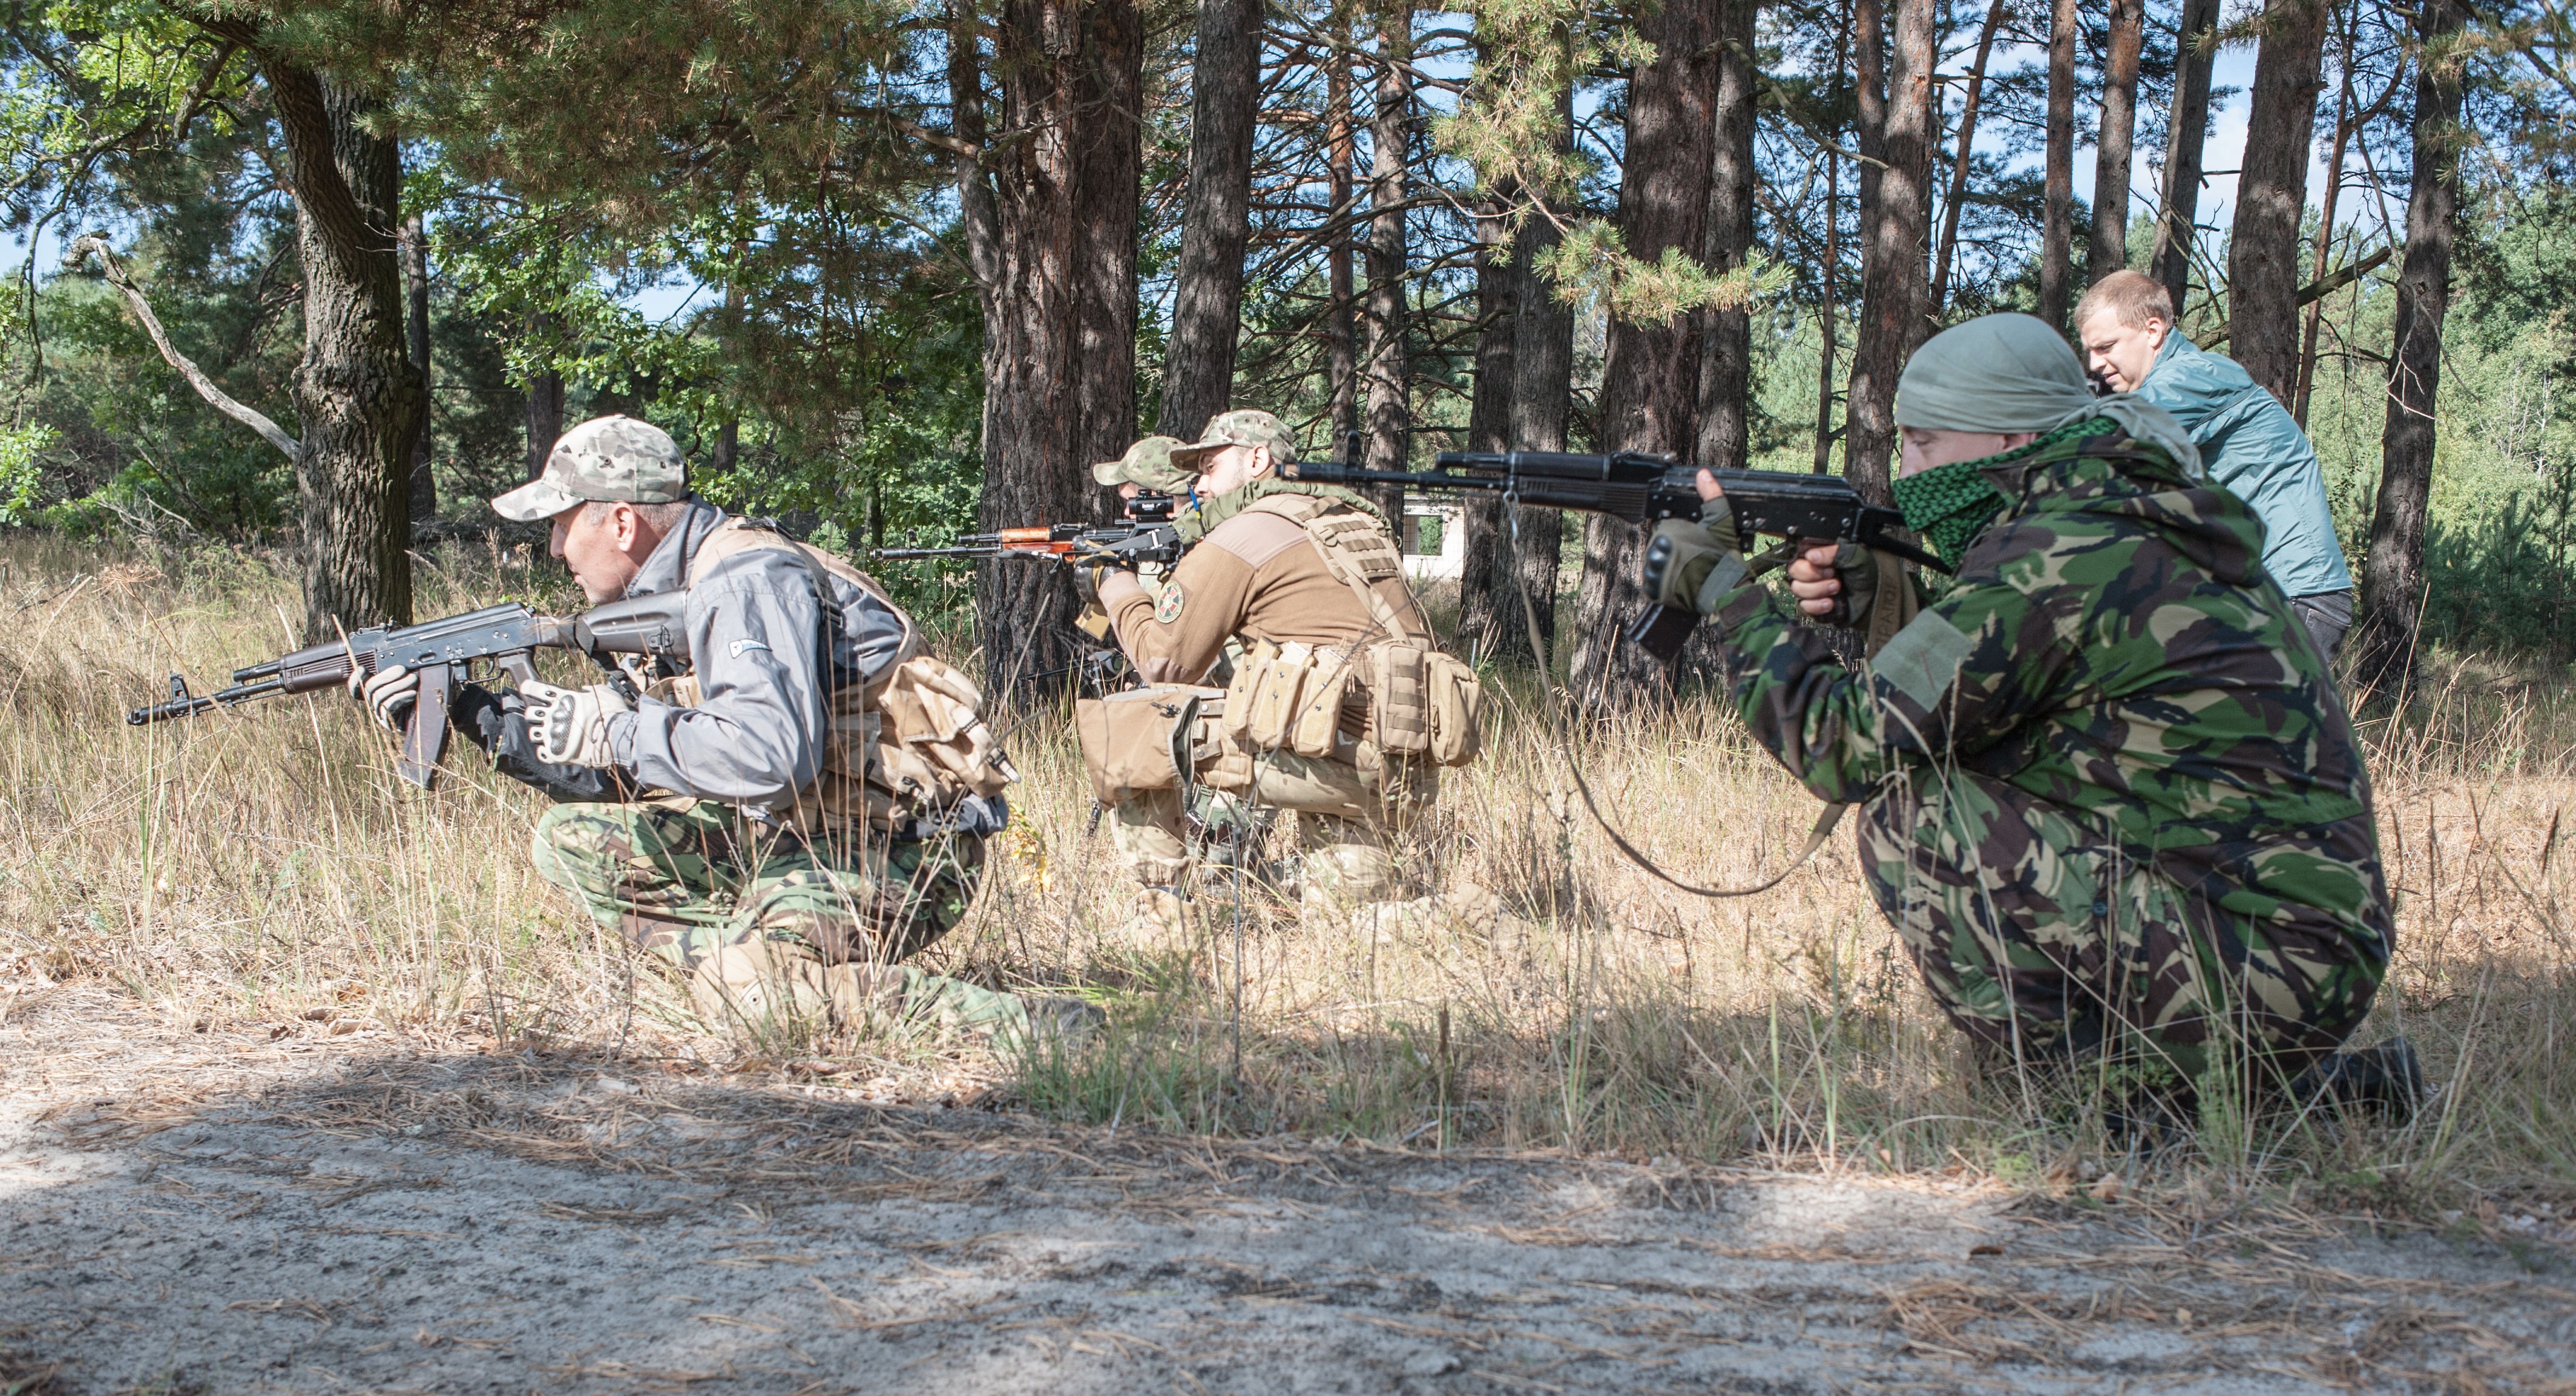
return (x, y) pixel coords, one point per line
(1216, 509)
(1949, 505)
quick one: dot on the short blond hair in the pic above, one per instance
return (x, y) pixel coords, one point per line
(2135, 297)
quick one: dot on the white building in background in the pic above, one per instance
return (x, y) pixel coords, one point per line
(1435, 541)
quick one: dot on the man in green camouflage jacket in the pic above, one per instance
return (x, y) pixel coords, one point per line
(2109, 799)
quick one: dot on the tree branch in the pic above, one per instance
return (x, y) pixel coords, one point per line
(248, 416)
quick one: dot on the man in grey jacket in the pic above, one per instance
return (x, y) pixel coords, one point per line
(699, 817)
(2248, 441)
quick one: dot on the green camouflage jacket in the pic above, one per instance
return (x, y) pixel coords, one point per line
(2111, 649)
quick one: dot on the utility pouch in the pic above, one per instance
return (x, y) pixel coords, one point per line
(1399, 698)
(1457, 697)
(1245, 685)
(1142, 739)
(1327, 682)
(1281, 688)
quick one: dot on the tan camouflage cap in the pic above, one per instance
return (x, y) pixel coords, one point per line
(1147, 465)
(615, 459)
(1248, 426)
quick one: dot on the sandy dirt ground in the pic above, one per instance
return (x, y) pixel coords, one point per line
(209, 1212)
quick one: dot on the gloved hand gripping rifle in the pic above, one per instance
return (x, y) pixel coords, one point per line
(445, 653)
(1645, 489)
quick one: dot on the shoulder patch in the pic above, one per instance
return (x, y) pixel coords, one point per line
(1924, 658)
(1168, 609)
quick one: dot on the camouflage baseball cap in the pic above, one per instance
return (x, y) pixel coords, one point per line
(606, 458)
(1147, 465)
(1245, 427)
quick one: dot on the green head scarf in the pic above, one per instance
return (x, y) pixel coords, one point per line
(2008, 373)
(2005, 373)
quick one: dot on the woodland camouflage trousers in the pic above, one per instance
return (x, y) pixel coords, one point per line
(2040, 938)
(686, 881)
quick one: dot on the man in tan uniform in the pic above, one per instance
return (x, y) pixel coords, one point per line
(1308, 577)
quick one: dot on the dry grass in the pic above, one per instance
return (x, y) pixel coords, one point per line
(265, 866)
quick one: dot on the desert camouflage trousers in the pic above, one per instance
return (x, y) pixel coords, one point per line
(2039, 938)
(732, 904)
(1346, 814)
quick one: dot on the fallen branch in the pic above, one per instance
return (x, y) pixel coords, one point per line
(248, 416)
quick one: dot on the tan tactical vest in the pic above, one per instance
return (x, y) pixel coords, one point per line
(1422, 703)
(902, 749)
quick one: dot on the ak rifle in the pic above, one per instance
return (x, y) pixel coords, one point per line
(445, 653)
(1145, 535)
(1645, 489)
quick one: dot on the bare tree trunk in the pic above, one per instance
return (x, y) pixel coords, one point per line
(1542, 399)
(2343, 125)
(1207, 298)
(545, 418)
(2112, 145)
(1726, 348)
(728, 448)
(358, 396)
(2057, 200)
(1869, 98)
(1390, 400)
(2272, 193)
(1895, 240)
(2392, 576)
(415, 259)
(2176, 224)
(1050, 212)
(1938, 303)
(1342, 318)
(1482, 582)
(1649, 383)
(1831, 281)
(1524, 560)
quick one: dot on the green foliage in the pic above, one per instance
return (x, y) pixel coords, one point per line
(20, 479)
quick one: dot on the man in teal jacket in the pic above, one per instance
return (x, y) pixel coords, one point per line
(2248, 441)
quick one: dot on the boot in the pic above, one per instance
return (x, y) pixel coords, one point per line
(2384, 1080)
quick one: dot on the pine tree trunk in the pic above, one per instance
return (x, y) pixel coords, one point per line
(2176, 227)
(415, 259)
(2323, 260)
(1524, 559)
(2271, 196)
(1726, 345)
(1207, 297)
(2112, 145)
(1895, 240)
(545, 417)
(1482, 582)
(2392, 576)
(1390, 402)
(1050, 207)
(1341, 319)
(1937, 304)
(2057, 180)
(1650, 380)
(358, 398)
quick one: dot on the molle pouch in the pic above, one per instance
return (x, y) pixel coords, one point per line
(1275, 701)
(1456, 699)
(1141, 739)
(1399, 698)
(1244, 686)
(1319, 703)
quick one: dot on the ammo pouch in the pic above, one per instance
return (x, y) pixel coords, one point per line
(1288, 697)
(1423, 704)
(1142, 739)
